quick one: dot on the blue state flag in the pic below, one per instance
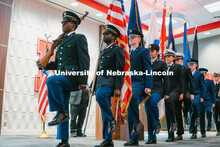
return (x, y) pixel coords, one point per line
(186, 50)
(134, 20)
(171, 41)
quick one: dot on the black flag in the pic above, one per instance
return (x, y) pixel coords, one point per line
(195, 47)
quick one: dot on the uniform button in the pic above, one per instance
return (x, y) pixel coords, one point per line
(72, 68)
(59, 63)
(108, 56)
(61, 47)
(60, 58)
(100, 66)
(101, 62)
(102, 57)
(61, 53)
(69, 46)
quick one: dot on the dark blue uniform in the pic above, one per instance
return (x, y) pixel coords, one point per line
(189, 90)
(200, 92)
(206, 105)
(217, 107)
(140, 61)
(160, 88)
(111, 58)
(71, 55)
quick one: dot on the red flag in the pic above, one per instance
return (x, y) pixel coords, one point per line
(163, 35)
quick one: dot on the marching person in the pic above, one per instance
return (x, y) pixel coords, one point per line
(200, 91)
(208, 104)
(188, 95)
(141, 84)
(111, 58)
(78, 105)
(173, 102)
(160, 89)
(217, 105)
(71, 55)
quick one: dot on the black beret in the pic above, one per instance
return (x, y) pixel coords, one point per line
(135, 32)
(70, 16)
(154, 47)
(111, 29)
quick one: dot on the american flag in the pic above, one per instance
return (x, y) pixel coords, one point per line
(116, 17)
(42, 99)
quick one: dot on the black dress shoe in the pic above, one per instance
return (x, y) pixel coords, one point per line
(151, 142)
(112, 126)
(179, 137)
(137, 128)
(197, 122)
(170, 140)
(218, 133)
(203, 135)
(194, 136)
(59, 118)
(132, 143)
(173, 127)
(62, 144)
(106, 143)
(80, 134)
(157, 129)
(209, 127)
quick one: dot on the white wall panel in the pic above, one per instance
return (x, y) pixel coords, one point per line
(31, 19)
(209, 52)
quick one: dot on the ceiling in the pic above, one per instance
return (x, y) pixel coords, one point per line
(193, 10)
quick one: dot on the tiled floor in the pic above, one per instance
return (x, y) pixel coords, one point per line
(31, 141)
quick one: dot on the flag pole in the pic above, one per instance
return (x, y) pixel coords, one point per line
(92, 91)
(117, 105)
(43, 134)
(164, 4)
(90, 96)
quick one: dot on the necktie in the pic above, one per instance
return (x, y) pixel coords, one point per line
(132, 51)
(168, 67)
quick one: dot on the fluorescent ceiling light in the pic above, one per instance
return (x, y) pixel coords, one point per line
(213, 7)
(74, 4)
(99, 14)
(207, 33)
